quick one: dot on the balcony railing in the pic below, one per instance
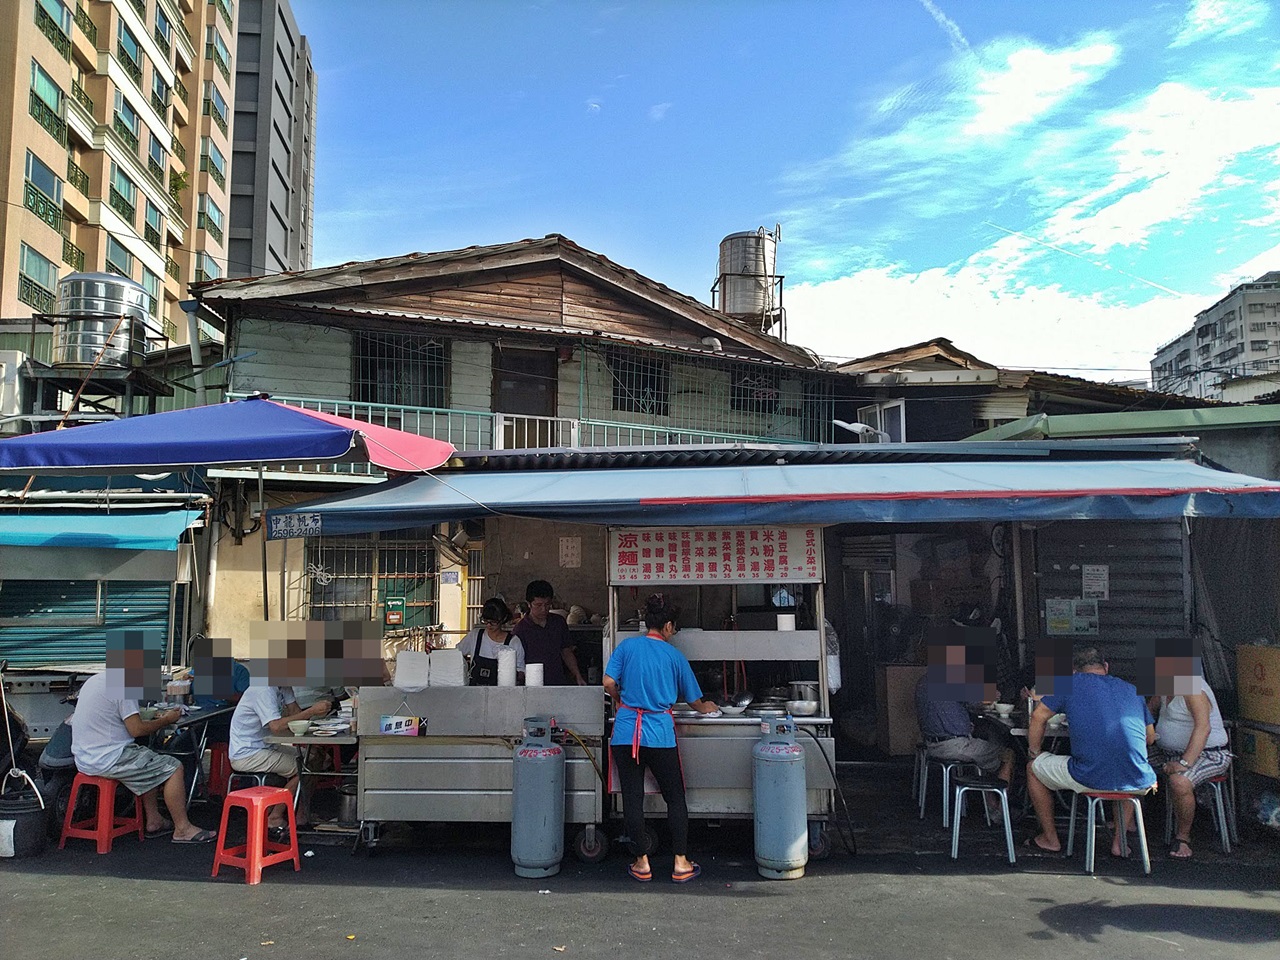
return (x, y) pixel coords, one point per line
(34, 294)
(211, 111)
(178, 149)
(87, 26)
(80, 97)
(181, 89)
(48, 118)
(118, 270)
(125, 132)
(43, 206)
(166, 47)
(127, 63)
(122, 206)
(72, 255)
(151, 235)
(61, 42)
(478, 430)
(201, 276)
(172, 269)
(77, 177)
(216, 175)
(226, 13)
(156, 169)
(169, 328)
(211, 53)
(204, 222)
(160, 105)
(140, 6)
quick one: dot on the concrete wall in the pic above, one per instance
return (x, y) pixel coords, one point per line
(517, 551)
(276, 366)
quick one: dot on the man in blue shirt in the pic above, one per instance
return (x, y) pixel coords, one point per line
(1111, 728)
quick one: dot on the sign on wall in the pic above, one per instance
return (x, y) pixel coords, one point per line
(768, 554)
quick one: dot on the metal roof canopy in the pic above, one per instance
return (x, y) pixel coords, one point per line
(1130, 422)
(940, 489)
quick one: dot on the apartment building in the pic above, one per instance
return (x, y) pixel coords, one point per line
(118, 114)
(273, 137)
(1232, 352)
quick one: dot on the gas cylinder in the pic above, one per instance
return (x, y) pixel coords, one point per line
(781, 815)
(537, 801)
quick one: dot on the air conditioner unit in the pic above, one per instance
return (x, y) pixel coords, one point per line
(11, 391)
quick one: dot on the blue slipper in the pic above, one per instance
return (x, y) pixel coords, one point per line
(644, 876)
(687, 875)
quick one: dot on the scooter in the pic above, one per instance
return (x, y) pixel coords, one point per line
(57, 771)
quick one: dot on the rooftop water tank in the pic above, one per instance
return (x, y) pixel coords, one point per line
(90, 328)
(748, 276)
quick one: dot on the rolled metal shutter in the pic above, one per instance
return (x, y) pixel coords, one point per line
(1149, 575)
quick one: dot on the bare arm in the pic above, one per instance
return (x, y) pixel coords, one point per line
(138, 727)
(570, 659)
(280, 727)
(703, 705)
(1198, 707)
(611, 688)
(1035, 728)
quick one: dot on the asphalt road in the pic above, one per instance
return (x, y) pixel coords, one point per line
(449, 891)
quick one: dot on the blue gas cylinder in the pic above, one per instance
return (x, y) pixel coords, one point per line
(781, 815)
(537, 802)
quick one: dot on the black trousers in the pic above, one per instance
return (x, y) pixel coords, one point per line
(664, 764)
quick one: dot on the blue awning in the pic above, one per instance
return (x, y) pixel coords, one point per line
(121, 530)
(937, 492)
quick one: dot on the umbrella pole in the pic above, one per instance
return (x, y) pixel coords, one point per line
(262, 518)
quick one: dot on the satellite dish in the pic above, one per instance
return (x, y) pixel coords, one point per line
(452, 549)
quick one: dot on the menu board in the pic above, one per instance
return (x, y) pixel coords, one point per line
(770, 554)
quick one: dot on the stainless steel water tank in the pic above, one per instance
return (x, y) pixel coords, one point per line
(91, 305)
(748, 263)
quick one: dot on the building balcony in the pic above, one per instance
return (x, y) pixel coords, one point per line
(81, 99)
(33, 294)
(120, 205)
(205, 223)
(61, 42)
(479, 430)
(72, 255)
(86, 25)
(163, 42)
(159, 106)
(128, 65)
(48, 118)
(140, 7)
(219, 119)
(172, 269)
(216, 175)
(125, 133)
(43, 206)
(151, 235)
(225, 12)
(179, 150)
(77, 177)
(156, 170)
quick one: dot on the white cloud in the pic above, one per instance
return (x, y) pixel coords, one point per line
(1215, 19)
(1043, 328)
(1175, 148)
(595, 105)
(1031, 82)
(949, 27)
(658, 112)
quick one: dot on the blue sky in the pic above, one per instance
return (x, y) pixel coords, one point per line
(1058, 185)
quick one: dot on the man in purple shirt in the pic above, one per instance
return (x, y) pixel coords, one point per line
(545, 636)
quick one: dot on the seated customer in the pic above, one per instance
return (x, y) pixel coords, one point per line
(266, 711)
(1191, 741)
(945, 722)
(1110, 730)
(103, 730)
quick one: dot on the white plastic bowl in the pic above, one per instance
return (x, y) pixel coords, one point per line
(731, 711)
(802, 708)
(1004, 709)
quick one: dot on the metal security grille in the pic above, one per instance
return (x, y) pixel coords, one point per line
(350, 578)
(753, 389)
(399, 369)
(475, 583)
(641, 383)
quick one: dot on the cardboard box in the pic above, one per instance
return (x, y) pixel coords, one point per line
(1259, 751)
(1258, 678)
(897, 729)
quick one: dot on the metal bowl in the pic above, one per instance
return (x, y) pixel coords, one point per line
(802, 708)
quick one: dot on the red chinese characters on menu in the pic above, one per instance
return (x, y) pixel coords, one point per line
(715, 555)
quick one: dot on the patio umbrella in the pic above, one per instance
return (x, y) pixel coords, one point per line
(249, 433)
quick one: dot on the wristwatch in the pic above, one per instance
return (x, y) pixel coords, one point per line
(1183, 762)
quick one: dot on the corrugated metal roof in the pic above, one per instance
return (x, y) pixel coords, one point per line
(1133, 423)
(757, 454)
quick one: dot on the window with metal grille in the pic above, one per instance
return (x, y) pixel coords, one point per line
(399, 370)
(641, 384)
(350, 578)
(476, 593)
(753, 390)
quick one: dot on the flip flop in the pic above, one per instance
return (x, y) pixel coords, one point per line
(161, 831)
(204, 836)
(687, 875)
(1178, 845)
(644, 876)
(1031, 844)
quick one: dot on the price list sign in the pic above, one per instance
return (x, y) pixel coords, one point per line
(715, 555)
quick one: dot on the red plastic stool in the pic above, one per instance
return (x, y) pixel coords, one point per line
(104, 826)
(258, 851)
(219, 769)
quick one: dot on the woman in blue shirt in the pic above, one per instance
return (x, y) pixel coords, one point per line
(644, 678)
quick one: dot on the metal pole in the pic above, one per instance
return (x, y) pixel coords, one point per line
(262, 518)
(191, 307)
(1018, 600)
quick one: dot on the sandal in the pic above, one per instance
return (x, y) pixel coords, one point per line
(1176, 847)
(644, 876)
(204, 836)
(687, 875)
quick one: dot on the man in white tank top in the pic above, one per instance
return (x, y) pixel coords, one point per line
(1191, 741)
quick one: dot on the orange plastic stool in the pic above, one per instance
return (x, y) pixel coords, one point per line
(104, 826)
(219, 769)
(258, 851)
